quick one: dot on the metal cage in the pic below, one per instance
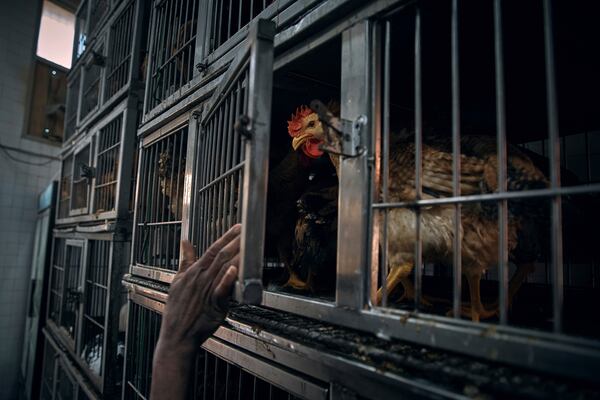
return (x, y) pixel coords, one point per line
(81, 181)
(85, 304)
(159, 201)
(108, 154)
(226, 18)
(119, 58)
(221, 372)
(72, 105)
(64, 195)
(91, 86)
(171, 49)
(98, 10)
(142, 335)
(231, 156)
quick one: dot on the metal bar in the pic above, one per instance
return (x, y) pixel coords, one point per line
(418, 159)
(385, 153)
(554, 149)
(353, 198)
(526, 194)
(501, 159)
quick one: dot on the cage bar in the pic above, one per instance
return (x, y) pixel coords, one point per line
(229, 17)
(72, 105)
(502, 173)
(70, 312)
(456, 165)
(64, 198)
(172, 49)
(143, 330)
(81, 182)
(554, 147)
(119, 51)
(95, 305)
(418, 259)
(107, 165)
(92, 74)
(160, 201)
(98, 9)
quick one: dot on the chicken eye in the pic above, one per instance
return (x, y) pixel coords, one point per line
(311, 124)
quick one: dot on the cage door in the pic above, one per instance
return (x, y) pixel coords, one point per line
(231, 162)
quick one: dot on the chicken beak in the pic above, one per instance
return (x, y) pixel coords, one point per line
(300, 140)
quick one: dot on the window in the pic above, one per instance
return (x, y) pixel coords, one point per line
(56, 34)
(53, 58)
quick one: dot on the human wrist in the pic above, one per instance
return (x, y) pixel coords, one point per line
(172, 352)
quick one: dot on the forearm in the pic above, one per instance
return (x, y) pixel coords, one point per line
(172, 369)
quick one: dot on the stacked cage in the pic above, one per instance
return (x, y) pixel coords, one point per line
(86, 317)
(413, 200)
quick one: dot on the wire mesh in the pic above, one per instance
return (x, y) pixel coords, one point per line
(107, 165)
(81, 183)
(219, 169)
(160, 200)
(172, 48)
(71, 107)
(142, 333)
(229, 16)
(57, 279)
(119, 52)
(92, 73)
(217, 378)
(95, 303)
(64, 199)
(69, 317)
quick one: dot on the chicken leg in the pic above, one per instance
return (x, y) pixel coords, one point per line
(476, 310)
(399, 275)
(517, 280)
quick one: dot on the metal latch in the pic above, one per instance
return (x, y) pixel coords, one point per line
(342, 136)
(243, 126)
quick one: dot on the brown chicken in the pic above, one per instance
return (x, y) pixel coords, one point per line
(171, 176)
(479, 221)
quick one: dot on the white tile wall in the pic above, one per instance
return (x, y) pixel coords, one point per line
(20, 184)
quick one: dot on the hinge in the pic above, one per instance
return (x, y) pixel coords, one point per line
(343, 137)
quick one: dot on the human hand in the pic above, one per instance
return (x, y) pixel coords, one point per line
(199, 294)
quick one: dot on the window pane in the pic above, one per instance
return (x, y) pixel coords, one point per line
(56, 34)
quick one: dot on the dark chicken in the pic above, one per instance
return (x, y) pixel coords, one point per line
(301, 171)
(479, 227)
(315, 241)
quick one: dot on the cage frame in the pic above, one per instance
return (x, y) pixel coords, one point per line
(61, 360)
(209, 68)
(171, 128)
(104, 38)
(87, 63)
(353, 307)
(269, 368)
(540, 351)
(127, 110)
(119, 244)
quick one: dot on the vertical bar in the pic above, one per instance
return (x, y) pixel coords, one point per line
(353, 198)
(385, 170)
(502, 158)
(456, 165)
(418, 157)
(554, 149)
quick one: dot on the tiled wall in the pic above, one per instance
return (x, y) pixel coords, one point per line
(20, 183)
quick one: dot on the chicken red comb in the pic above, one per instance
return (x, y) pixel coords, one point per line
(295, 123)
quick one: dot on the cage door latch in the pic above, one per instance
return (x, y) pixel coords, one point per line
(343, 137)
(243, 126)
